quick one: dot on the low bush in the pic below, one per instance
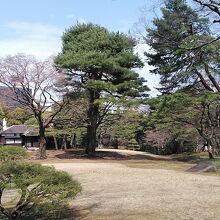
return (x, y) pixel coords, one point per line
(36, 191)
(12, 153)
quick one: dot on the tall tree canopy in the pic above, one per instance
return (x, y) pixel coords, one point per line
(178, 52)
(100, 63)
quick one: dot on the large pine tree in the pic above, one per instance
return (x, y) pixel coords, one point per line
(101, 64)
(178, 53)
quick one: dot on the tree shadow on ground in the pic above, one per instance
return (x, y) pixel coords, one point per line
(104, 155)
(192, 159)
(83, 212)
(59, 214)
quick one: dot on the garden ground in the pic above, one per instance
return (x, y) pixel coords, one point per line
(123, 184)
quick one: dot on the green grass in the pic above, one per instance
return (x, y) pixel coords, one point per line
(216, 162)
(196, 158)
(191, 157)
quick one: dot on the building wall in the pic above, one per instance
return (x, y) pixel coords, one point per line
(27, 141)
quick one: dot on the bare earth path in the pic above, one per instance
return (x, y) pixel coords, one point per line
(143, 189)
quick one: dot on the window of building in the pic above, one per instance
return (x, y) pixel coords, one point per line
(9, 141)
(18, 141)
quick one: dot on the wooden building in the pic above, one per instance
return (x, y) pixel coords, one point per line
(21, 135)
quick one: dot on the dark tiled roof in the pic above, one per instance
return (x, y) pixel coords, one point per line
(22, 129)
(16, 129)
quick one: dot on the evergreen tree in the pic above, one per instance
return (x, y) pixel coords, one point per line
(100, 63)
(192, 117)
(179, 55)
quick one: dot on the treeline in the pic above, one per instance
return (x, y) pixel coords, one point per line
(99, 94)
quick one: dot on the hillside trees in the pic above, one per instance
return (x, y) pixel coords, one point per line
(32, 83)
(100, 63)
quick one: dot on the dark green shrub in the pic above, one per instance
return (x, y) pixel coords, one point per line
(40, 190)
(12, 153)
(133, 145)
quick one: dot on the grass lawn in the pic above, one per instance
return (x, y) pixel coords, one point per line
(121, 184)
(194, 157)
(143, 186)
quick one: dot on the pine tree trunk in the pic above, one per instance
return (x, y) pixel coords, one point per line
(92, 115)
(91, 140)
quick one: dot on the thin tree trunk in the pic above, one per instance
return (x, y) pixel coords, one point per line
(211, 157)
(73, 140)
(64, 144)
(203, 81)
(55, 142)
(42, 144)
(212, 79)
(100, 137)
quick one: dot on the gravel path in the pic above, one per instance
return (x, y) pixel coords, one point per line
(126, 190)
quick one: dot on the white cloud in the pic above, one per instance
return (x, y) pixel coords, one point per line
(34, 28)
(41, 40)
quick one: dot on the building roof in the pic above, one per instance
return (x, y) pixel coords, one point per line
(31, 131)
(22, 129)
(19, 129)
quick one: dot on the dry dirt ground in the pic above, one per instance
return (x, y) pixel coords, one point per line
(143, 186)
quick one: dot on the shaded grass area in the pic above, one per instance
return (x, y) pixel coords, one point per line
(100, 155)
(164, 165)
(116, 215)
(190, 156)
(59, 214)
(177, 162)
(196, 158)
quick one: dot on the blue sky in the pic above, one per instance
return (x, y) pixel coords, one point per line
(26, 24)
(36, 26)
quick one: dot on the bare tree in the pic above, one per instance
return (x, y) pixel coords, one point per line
(212, 6)
(157, 138)
(32, 83)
